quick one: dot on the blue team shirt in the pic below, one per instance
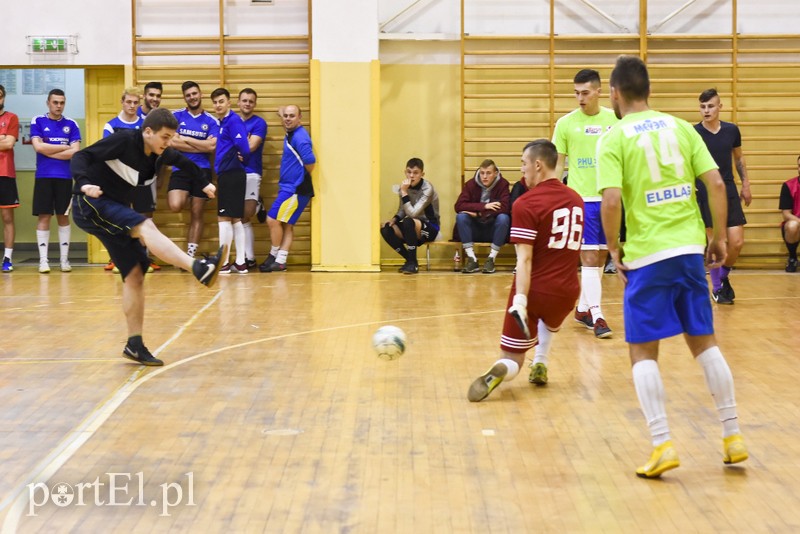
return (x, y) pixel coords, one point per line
(231, 142)
(256, 126)
(200, 127)
(292, 170)
(64, 131)
(118, 124)
(141, 114)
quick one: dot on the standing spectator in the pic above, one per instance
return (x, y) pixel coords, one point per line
(55, 139)
(789, 205)
(232, 150)
(576, 136)
(546, 232)
(483, 213)
(724, 140)
(417, 219)
(666, 292)
(152, 98)
(294, 188)
(9, 197)
(196, 138)
(254, 167)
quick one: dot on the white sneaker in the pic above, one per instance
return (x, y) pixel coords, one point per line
(65, 266)
(44, 266)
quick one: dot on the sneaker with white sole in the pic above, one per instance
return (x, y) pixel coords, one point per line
(7, 266)
(44, 266)
(65, 266)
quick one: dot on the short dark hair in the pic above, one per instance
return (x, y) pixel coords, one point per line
(708, 94)
(544, 150)
(160, 118)
(630, 78)
(2, 89)
(249, 91)
(586, 76)
(415, 162)
(489, 163)
(57, 92)
(185, 86)
(154, 85)
(218, 92)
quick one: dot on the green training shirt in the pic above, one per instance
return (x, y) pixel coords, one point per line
(654, 158)
(576, 135)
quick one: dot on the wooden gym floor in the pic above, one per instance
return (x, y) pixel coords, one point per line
(273, 415)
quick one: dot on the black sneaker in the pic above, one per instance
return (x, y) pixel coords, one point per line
(791, 265)
(720, 297)
(264, 267)
(251, 264)
(471, 266)
(276, 267)
(206, 269)
(141, 355)
(410, 267)
(488, 267)
(727, 289)
(261, 212)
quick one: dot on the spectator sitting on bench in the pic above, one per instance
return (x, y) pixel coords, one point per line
(483, 214)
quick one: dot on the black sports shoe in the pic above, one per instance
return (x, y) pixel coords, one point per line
(261, 211)
(410, 267)
(264, 267)
(251, 264)
(141, 355)
(727, 289)
(206, 269)
(791, 265)
(720, 297)
(276, 267)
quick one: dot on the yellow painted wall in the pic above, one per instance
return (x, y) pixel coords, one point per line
(343, 143)
(420, 117)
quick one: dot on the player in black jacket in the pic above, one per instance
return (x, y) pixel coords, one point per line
(106, 174)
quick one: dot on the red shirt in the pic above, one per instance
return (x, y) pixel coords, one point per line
(550, 217)
(9, 125)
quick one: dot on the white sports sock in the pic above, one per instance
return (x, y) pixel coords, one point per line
(650, 390)
(238, 239)
(493, 253)
(191, 249)
(543, 348)
(8, 253)
(592, 289)
(63, 241)
(249, 241)
(274, 251)
(43, 240)
(720, 383)
(512, 366)
(225, 238)
(471, 253)
(281, 257)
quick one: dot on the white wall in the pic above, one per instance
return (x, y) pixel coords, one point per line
(103, 28)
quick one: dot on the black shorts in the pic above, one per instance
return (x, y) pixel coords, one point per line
(735, 212)
(51, 196)
(231, 187)
(9, 198)
(428, 232)
(111, 223)
(183, 181)
(142, 199)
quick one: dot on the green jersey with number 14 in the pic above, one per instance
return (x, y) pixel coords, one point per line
(654, 158)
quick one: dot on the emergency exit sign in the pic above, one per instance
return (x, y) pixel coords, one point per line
(48, 44)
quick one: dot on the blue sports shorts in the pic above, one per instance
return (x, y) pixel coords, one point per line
(593, 236)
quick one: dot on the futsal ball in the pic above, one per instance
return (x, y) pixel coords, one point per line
(389, 342)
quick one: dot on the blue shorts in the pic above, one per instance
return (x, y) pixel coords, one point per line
(593, 236)
(288, 207)
(667, 298)
(111, 223)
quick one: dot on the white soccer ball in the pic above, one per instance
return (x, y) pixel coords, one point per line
(389, 342)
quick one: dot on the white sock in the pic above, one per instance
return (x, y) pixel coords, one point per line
(650, 390)
(249, 241)
(720, 383)
(273, 251)
(225, 238)
(43, 240)
(8, 253)
(63, 241)
(512, 366)
(493, 253)
(471, 253)
(238, 239)
(592, 289)
(281, 257)
(191, 249)
(543, 348)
